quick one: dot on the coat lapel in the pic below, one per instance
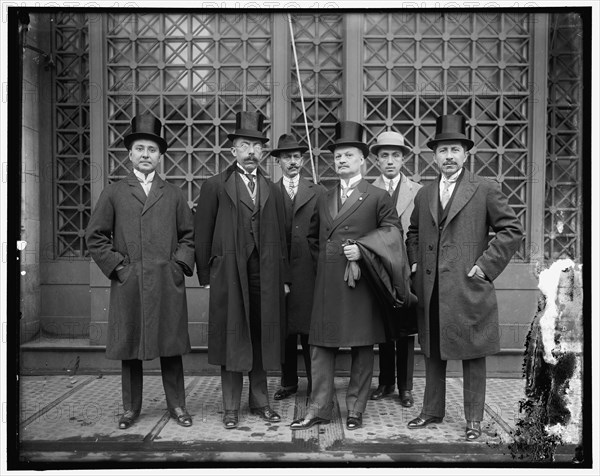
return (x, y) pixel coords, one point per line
(354, 201)
(332, 201)
(263, 189)
(305, 193)
(406, 195)
(156, 193)
(434, 199)
(136, 188)
(466, 187)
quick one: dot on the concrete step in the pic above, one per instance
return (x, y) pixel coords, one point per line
(51, 355)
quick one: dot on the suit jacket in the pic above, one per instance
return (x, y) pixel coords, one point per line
(151, 235)
(299, 301)
(406, 196)
(222, 262)
(344, 316)
(468, 311)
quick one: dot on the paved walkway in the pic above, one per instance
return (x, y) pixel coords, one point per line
(74, 420)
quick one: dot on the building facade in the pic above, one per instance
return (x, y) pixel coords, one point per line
(516, 76)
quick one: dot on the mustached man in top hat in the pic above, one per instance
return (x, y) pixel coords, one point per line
(396, 356)
(345, 312)
(141, 236)
(454, 264)
(241, 253)
(299, 199)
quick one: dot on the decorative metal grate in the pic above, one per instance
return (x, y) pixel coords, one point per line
(319, 44)
(193, 71)
(71, 133)
(417, 67)
(562, 218)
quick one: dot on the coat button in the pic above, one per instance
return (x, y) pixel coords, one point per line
(346, 227)
(440, 227)
(428, 271)
(430, 247)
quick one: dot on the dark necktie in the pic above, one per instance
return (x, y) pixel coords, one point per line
(251, 183)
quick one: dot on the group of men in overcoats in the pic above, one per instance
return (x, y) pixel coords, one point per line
(282, 262)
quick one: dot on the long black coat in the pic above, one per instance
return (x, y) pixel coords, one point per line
(151, 235)
(299, 301)
(344, 316)
(221, 262)
(468, 310)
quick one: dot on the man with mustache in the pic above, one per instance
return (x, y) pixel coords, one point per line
(455, 261)
(299, 199)
(345, 312)
(396, 356)
(241, 256)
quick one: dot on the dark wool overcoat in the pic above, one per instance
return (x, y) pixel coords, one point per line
(468, 310)
(153, 237)
(222, 262)
(341, 315)
(299, 301)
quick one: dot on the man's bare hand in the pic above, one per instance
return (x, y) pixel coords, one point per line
(414, 268)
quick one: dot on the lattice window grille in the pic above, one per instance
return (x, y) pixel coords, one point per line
(417, 66)
(71, 133)
(562, 217)
(194, 71)
(319, 45)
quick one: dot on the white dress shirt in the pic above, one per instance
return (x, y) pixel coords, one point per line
(291, 182)
(452, 179)
(349, 185)
(395, 181)
(247, 180)
(145, 180)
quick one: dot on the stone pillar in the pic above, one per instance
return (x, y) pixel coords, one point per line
(34, 75)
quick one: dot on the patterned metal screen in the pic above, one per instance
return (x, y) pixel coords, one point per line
(319, 44)
(194, 71)
(562, 218)
(71, 134)
(417, 67)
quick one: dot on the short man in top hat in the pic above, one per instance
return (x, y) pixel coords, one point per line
(342, 315)
(455, 262)
(141, 232)
(396, 355)
(299, 199)
(241, 254)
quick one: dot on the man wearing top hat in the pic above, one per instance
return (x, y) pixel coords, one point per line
(345, 312)
(299, 200)
(241, 254)
(396, 355)
(455, 262)
(141, 236)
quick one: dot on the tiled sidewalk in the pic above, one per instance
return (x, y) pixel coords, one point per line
(75, 419)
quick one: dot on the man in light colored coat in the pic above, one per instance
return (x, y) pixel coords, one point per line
(141, 236)
(345, 312)
(455, 262)
(299, 201)
(396, 355)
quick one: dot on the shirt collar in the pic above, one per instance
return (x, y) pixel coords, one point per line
(453, 178)
(353, 181)
(244, 172)
(394, 181)
(142, 178)
(293, 181)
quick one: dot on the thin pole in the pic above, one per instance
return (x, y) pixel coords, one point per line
(312, 162)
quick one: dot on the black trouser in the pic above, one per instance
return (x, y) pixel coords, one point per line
(172, 377)
(397, 356)
(289, 369)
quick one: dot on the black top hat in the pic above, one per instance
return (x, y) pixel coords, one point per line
(287, 142)
(146, 126)
(450, 127)
(349, 133)
(249, 124)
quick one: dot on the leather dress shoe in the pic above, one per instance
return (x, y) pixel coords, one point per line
(406, 398)
(128, 419)
(230, 419)
(283, 393)
(181, 416)
(306, 423)
(421, 422)
(266, 413)
(354, 422)
(473, 430)
(382, 391)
